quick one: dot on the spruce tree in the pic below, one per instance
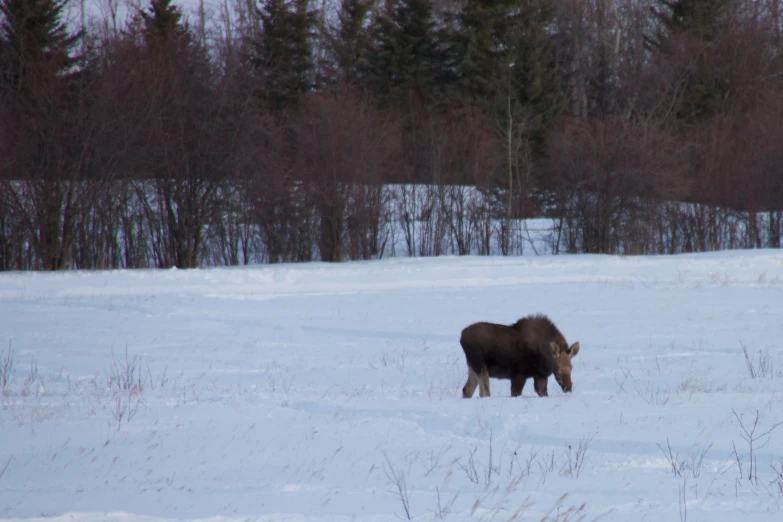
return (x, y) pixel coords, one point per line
(380, 60)
(700, 18)
(282, 53)
(483, 43)
(692, 27)
(405, 57)
(507, 61)
(350, 38)
(536, 82)
(162, 26)
(41, 107)
(37, 44)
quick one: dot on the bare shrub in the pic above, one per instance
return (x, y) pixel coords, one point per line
(160, 382)
(677, 466)
(546, 464)
(469, 467)
(756, 439)
(525, 469)
(282, 210)
(696, 462)
(682, 500)
(126, 385)
(423, 219)
(399, 483)
(232, 238)
(7, 369)
(777, 469)
(575, 457)
(368, 221)
(124, 408)
(433, 462)
(693, 464)
(477, 472)
(124, 375)
(433, 222)
(651, 393)
(758, 367)
(33, 377)
(5, 468)
(442, 510)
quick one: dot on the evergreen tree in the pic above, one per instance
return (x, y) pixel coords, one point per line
(349, 38)
(380, 60)
(406, 56)
(282, 53)
(699, 18)
(305, 22)
(507, 61)
(47, 142)
(536, 83)
(37, 44)
(483, 42)
(692, 27)
(162, 26)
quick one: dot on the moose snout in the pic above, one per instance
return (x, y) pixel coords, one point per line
(565, 383)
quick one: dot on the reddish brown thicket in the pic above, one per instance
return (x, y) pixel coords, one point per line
(607, 176)
(345, 148)
(457, 152)
(473, 155)
(182, 123)
(49, 151)
(757, 188)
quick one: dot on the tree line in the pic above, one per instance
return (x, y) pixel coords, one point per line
(272, 131)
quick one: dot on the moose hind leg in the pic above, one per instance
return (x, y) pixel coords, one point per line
(517, 383)
(484, 383)
(540, 385)
(470, 386)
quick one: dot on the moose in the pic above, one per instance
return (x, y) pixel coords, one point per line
(531, 347)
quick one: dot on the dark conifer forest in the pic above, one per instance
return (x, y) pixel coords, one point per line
(268, 131)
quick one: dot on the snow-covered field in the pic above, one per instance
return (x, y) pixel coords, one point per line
(333, 392)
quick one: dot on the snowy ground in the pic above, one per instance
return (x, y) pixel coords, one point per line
(333, 392)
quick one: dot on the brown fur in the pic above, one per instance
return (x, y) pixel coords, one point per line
(531, 347)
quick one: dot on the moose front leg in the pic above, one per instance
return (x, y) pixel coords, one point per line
(517, 383)
(540, 385)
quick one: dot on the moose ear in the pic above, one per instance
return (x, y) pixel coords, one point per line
(574, 349)
(554, 348)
